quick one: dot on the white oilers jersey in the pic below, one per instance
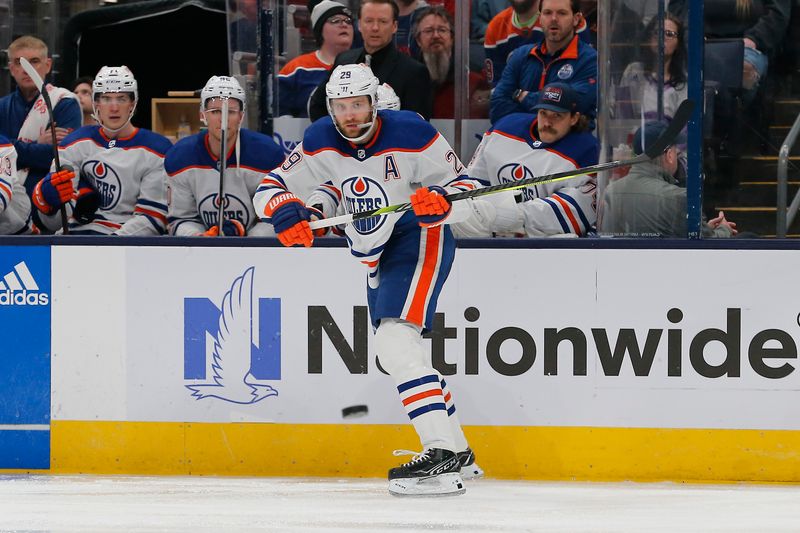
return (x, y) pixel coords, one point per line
(15, 206)
(127, 173)
(193, 183)
(404, 154)
(511, 151)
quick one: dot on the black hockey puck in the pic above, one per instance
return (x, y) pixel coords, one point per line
(355, 411)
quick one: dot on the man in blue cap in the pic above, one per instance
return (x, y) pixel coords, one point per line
(521, 145)
(648, 202)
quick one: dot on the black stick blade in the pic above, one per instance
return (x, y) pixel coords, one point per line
(667, 139)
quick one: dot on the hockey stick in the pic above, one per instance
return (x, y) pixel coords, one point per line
(39, 82)
(223, 160)
(667, 139)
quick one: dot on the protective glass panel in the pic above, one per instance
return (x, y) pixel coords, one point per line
(646, 80)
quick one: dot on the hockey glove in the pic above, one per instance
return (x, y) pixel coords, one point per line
(87, 202)
(230, 228)
(53, 191)
(290, 219)
(430, 205)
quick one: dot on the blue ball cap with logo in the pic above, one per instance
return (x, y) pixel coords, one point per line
(558, 97)
(652, 131)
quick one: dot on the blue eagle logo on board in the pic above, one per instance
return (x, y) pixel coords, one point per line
(231, 379)
(362, 193)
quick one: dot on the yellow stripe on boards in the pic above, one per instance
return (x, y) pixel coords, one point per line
(360, 450)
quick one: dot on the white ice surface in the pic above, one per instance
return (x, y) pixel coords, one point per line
(183, 504)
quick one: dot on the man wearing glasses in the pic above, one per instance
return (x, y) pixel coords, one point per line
(332, 24)
(434, 36)
(377, 22)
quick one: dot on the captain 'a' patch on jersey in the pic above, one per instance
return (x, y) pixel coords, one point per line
(361, 193)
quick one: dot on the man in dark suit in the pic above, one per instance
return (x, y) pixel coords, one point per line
(377, 21)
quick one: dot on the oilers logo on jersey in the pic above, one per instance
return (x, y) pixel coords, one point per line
(361, 193)
(515, 172)
(234, 208)
(106, 181)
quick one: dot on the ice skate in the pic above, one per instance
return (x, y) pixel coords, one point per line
(434, 472)
(469, 468)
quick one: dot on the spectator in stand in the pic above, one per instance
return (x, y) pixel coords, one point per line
(82, 87)
(23, 117)
(332, 24)
(640, 82)
(434, 35)
(561, 57)
(516, 26)
(408, 15)
(408, 77)
(761, 24)
(648, 202)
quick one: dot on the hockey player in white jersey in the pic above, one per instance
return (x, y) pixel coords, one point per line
(15, 206)
(116, 169)
(521, 146)
(365, 159)
(192, 167)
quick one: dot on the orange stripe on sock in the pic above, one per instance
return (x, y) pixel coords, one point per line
(422, 395)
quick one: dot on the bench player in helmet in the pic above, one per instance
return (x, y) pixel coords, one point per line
(363, 158)
(116, 170)
(192, 167)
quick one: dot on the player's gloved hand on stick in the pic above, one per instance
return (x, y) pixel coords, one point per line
(230, 228)
(430, 205)
(87, 201)
(290, 219)
(54, 190)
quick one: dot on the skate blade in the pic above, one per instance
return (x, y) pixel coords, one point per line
(441, 485)
(472, 471)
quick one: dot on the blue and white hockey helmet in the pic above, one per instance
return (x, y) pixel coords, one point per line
(115, 80)
(347, 81)
(221, 87)
(387, 98)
